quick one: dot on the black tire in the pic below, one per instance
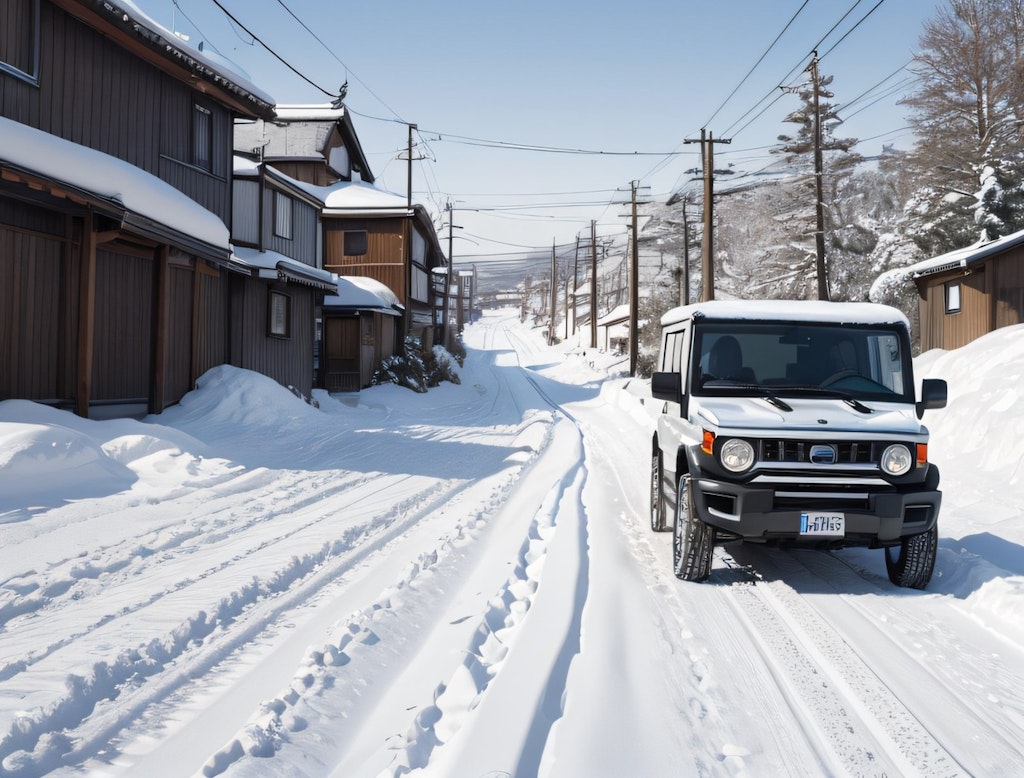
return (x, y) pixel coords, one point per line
(658, 523)
(693, 541)
(911, 563)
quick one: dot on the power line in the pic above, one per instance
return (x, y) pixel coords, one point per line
(759, 61)
(279, 58)
(348, 70)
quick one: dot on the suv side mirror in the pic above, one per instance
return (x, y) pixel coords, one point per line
(933, 395)
(667, 386)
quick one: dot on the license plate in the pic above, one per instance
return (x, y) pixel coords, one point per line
(829, 524)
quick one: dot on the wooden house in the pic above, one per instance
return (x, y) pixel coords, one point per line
(317, 144)
(389, 242)
(378, 234)
(362, 326)
(969, 292)
(277, 292)
(115, 196)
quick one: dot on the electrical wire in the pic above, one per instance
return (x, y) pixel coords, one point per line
(277, 56)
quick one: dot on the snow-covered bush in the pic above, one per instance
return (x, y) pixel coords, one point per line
(417, 370)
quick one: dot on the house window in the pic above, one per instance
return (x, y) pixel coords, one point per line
(282, 215)
(279, 315)
(953, 297)
(202, 137)
(19, 38)
(355, 243)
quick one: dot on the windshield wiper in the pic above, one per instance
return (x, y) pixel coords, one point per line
(763, 392)
(847, 398)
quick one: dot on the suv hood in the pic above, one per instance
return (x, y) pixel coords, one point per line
(819, 413)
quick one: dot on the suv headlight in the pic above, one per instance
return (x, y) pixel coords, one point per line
(737, 455)
(896, 459)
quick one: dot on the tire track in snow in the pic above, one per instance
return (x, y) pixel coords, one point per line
(860, 726)
(867, 607)
(38, 742)
(331, 672)
(474, 712)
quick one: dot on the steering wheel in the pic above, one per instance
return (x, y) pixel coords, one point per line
(839, 376)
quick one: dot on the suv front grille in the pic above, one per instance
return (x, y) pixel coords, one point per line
(799, 451)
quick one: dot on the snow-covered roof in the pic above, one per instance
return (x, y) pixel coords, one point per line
(108, 178)
(789, 310)
(616, 315)
(363, 293)
(965, 256)
(243, 166)
(325, 112)
(271, 265)
(209, 64)
(347, 198)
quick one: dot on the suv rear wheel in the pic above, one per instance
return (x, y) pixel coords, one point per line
(693, 541)
(911, 563)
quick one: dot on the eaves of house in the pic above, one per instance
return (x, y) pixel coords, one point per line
(961, 259)
(148, 40)
(138, 201)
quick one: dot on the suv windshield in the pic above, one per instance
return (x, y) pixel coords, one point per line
(795, 359)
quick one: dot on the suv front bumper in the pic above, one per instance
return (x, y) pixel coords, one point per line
(760, 513)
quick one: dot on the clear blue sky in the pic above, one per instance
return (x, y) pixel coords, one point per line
(639, 76)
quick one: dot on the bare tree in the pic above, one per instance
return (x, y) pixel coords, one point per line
(969, 159)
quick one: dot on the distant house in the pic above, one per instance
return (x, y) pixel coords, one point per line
(613, 330)
(373, 233)
(367, 231)
(970, 292)
(362, 325)
(279, 285)
(313, 143)
(115, 196)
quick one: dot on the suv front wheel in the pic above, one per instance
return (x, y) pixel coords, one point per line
(693, 541)
(911, 563)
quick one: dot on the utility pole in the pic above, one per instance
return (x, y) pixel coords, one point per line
(554, 296)
(407, 241)
(819, 206)
(684, 293)
(575, 283)
(408, 187)
(707, 142)
(634, 288)
(567, 280)
(633, 280)
(593, 284)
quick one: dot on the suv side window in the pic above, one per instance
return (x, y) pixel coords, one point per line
(672, 355)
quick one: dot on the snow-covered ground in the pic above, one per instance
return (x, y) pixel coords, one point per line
(463, 583)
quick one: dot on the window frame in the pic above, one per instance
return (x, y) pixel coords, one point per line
(953, 289)
(284, 215)
(279, 314)
(12, 69)
(363, 235)
(202, 139)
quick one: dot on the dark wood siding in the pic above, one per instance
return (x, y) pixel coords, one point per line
(289, 361)
(302, 244)
(342, 371)
(245, 212)
(1009, 289)
(212, 318)
(384, 257)
(124, 316)
(93, 92)
(33, 317)
(178, 378)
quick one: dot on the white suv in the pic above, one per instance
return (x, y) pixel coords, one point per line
(793, 422)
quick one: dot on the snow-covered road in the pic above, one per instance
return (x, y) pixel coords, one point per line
(462, 583)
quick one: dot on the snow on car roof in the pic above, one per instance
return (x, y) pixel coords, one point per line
(789, 310)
